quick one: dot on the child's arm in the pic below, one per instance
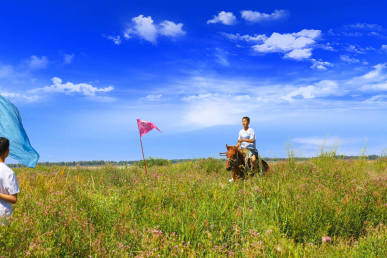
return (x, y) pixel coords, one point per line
(12, 198)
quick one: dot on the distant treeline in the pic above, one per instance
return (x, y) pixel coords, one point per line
(160, 162)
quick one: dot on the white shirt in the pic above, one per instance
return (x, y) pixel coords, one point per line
(8, 185)
(249, 134)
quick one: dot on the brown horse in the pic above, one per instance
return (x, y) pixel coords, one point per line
(236, 161)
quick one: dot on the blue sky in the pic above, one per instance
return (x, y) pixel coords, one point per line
(308, 73)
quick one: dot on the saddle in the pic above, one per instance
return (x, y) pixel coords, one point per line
(248, 165)
(262, 166)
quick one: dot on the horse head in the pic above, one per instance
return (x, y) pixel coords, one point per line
(232, 156)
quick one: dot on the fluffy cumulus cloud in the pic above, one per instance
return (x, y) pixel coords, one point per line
(36, 62)
(226, 18)
(294, 45)
(58, 86)
(145, 28)
(171, 29)
(255, 17)
(299, 54)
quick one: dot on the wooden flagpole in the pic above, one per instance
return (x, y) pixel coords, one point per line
(143, 157)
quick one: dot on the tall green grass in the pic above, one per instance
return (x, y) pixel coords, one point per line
(190, 209)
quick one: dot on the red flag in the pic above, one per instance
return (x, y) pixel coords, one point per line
(144, 126)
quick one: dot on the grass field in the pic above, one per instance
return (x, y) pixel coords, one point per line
(190, 209)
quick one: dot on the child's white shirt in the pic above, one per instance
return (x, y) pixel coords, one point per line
(8, 185)
(248, 134)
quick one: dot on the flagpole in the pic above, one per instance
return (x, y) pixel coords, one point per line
(143, 157)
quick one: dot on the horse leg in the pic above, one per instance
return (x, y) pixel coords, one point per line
(234, 174)
(253, 161)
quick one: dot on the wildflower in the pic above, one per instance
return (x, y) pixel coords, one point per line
(326, 239)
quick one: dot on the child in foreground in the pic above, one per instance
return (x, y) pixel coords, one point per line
(9, 187)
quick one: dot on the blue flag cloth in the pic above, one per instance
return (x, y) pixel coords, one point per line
(11, 127)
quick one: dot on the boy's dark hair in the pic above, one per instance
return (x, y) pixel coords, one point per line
(4, 145)
(247, 118)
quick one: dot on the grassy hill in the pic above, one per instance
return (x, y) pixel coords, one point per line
(190, 209)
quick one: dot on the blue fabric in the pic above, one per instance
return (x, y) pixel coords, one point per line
(11, 127)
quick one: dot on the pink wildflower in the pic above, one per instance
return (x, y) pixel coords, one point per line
(326, 239)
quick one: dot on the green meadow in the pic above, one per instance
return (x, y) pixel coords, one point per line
(325, 206)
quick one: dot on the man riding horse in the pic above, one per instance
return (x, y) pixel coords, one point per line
(240, 158)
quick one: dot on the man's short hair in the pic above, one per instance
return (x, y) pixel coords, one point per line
(4, 145)
(247, 118)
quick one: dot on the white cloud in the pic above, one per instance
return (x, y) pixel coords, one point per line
(221, 57)
(254, 16)
(349, 59)
(116, 39)
(38, 63)
(171, 29)
(248, 38)
(19, 96)
(69, 88)
(320, 65)
(68, 58)
(299, 54)
(197, 97)
(375, 74)
(295, 45)
(377, 99)
(353, 48)
(227, 18)
(153, 97)
(359, 50)
(384, 47)
(205, 101)
(374, 80)
(145, 28)
(322, 88)
(213, 112)
(366, 26)
(376, 87)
